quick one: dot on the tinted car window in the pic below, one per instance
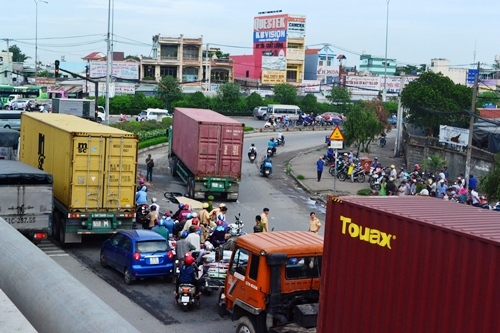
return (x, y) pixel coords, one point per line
(126, 244)
(116, 239)
(152, 246)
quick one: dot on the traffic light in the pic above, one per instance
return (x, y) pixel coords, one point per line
(56, 70)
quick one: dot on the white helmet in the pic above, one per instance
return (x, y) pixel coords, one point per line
(233, 229)
(153, 200)
(209, 246)
(194, 215)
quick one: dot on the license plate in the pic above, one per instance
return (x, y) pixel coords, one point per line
(154, 261)
(21, 220)
(217, 185)
(100, 224)
(185, 299)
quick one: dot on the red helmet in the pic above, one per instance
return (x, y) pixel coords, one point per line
(141, 181)
(186, 206)
(188, 260)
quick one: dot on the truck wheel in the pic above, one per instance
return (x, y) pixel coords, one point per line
(173, 167)
(55, 226)
(246, 325)
(102, 259)
(191, 187)
(62, 232)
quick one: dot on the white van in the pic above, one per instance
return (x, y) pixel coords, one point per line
(11, 119)
(280, 110)
(153, 114)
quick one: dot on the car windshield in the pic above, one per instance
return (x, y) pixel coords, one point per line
(143, 113)
(152, 246)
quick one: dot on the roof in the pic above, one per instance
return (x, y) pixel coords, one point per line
(76, 125)
(206, 116)
(143, 234)
(312, 51)
(445, 215)
(15, 172)
(290, 242)
(489, 113)
(8, 137)
(94, 56)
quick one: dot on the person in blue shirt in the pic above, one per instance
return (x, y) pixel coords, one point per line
(169, 223)
(141, 197)
(266, 160)
(472, 182)
(272, 144)
(376, 164)
(319, 167)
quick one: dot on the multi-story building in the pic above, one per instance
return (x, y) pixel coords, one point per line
(179, 57)
(320, 65)
(458, 75)
(278, 52)
(376, 66)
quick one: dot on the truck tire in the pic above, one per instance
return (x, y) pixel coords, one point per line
(191, 186)
(246, 325)
(55, 226)
(173, 167)
(62, 232)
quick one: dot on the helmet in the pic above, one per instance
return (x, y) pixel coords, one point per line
(392, 166)
(186, 206)
(376, 158)
(181, 206)
(153, 200)
(189, 216)
(204, 205)
(220, 222)
(193, 215)
(209, 246)
(222, 205)
(233, 229)
(253, 145)
(141, 181)
(417, 166)
(184, 234)
(272, 139)
(162, 223)
(188, 259)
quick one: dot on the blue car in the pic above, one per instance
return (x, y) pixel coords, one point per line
(138, 254)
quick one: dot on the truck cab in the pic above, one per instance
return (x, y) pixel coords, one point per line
(273, 279)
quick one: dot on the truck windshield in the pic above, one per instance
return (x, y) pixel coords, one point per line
(303, 268)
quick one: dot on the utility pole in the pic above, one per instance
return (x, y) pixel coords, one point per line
(7, 65)
(471, 127)
(399, 121)
(206, 69)
(108, 63)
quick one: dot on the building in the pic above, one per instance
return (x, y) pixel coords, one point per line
(319, 64)
(278, 52)
(457, 75)
(376, 66)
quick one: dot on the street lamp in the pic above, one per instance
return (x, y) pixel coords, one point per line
(384, 93)
(36, 35)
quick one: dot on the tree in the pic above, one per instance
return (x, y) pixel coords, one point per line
(310, 103)
(45, 73)
(362, 126)
(198, 100)
(488, 97)
(490, 183)
(17, 55)
(229, 92)
(169, 90)
(340, 97)
(285, 93)
(434, 100)
(254, 100)
(133, 57)
(433, 163)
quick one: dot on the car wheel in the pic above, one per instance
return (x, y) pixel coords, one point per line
(127, 277)
(7, 126)
(104, 264)
(245, 325)
(99, 120)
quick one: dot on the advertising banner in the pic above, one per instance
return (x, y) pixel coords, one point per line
(102, 89)
(121, 69)
(453, 135)
(269, 28)
(122, 88)
(310, 86)
(362, 83)
(295, 54)
(273, 77)
(296, 26)
(274, 63)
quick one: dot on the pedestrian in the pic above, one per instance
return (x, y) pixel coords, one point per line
(319, 167)
(472, 182)
(258, 224)
(314, 223)
(383, 184)
(264, 219)
(149, 168)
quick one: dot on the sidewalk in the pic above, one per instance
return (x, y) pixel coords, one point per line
(305, 164)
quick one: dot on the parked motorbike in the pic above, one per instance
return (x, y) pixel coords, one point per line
(280, 141)
(375, 179)
(359, 174)
(186, 296)
(252, 156)
(341, 167)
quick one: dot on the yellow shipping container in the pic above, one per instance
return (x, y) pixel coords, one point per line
(94, 166)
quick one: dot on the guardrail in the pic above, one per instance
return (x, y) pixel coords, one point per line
(49, 297)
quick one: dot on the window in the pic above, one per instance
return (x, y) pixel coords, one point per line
(190, 53)
(116, 239)
(303, 268)
(321, 62)
(169, 52)
(254, 266)
(152, 246)
(190, 74)
(126, 244)
(240, 262)
(168, 71)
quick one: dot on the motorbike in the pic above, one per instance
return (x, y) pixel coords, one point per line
(123, 118)
(252, 156)
(186, 296)
(359, 174)
(280, 141)
(265, 169)
(270, 151)
(375, 179)
(341, 167)
(383, 141)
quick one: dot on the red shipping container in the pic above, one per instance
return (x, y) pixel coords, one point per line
(409, 264)
(208, 143)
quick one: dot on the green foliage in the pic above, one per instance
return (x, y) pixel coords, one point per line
(430, 97)
(309, 103)
(130, 104)
(362, 126)
(285, 93)
(364, 191)
(487, 97)
(391, 107)
(254, 100)
(248, 129)
(490, 183)
(339, 95)
(133, 57)
(229, 93)
(198, 100)
(152, 142)
(45, 73)
(301, 177)
(433, 163)
(17, 55)
(169, 91)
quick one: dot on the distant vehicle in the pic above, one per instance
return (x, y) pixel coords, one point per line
(11, 119)
(280, 110)
(138, 254)
(260, 112)
(153, 114)
(84, 108)
(19, 104)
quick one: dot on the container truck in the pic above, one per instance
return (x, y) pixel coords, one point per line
(94, 169)
(9, 141)
(26, 199)
(409, 264)
(84, 108)
(206, 152)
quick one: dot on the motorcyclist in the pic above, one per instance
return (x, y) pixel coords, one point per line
(376, 164)
(176, 215)
(280, 137)
(187, 274)
(153, 203)
(182, 246)
(253, 150)
(161, 229)
(231, 242)
(218, 237)
(272, 144)
(141, 196)
(267, 159)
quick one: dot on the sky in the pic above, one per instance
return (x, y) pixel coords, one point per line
(464, 32)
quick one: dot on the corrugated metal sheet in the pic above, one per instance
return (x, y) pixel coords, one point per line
(410, 264)
(208, 143)
(290, 242)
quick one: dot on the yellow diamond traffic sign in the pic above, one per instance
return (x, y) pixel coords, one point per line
(337, 134)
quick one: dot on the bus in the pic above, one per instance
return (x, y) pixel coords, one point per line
(28, 92)
(11, 119)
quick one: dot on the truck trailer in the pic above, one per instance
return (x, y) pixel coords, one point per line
(94, 169)
(84, 108)
(409, 264)
(26, 199)
(206, 152)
